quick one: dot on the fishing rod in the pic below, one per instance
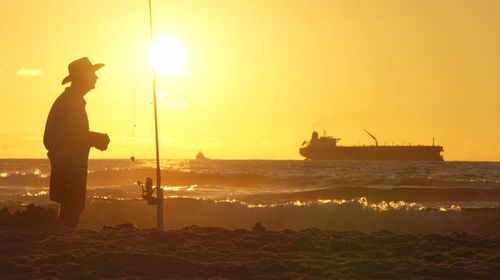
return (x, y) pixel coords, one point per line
(148, 188)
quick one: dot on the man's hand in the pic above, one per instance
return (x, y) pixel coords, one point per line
(105, 143)
(100, 141)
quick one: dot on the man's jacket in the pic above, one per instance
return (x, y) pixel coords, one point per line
(67, 136)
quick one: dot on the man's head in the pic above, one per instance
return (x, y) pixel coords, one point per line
(82, 74)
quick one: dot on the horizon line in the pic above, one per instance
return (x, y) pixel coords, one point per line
(261, 159)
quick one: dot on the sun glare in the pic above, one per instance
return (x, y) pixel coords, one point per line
(168, 56)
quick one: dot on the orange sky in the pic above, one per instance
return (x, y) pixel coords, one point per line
(261, 74)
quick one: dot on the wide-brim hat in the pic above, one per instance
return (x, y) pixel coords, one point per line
(81, 66)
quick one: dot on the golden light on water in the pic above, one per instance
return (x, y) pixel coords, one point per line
(189, 188)
(40, 193)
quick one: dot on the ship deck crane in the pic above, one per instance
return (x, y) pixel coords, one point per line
(371, 135)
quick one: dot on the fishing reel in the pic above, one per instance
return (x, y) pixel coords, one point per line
(147, 191)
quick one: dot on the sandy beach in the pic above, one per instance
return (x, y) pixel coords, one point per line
(33, 245)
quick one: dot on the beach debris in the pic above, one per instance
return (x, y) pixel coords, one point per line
(258, 228)
(120, 227)
(35, 216)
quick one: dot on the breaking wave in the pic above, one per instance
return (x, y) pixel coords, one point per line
(344, 215)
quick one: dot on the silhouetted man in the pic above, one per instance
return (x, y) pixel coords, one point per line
(68, 141)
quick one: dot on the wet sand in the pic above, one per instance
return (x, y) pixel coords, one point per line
(33, 245)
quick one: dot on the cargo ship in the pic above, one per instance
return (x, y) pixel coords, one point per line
(327, 148)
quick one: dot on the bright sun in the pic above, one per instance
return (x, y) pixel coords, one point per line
(168, 56)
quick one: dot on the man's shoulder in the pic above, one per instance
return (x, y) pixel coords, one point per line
(68, 99)
(63, 97)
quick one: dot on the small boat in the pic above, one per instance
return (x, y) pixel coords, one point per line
(201, 156)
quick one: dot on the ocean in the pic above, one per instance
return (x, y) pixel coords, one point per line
(411, 197)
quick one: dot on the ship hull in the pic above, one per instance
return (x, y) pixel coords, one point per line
(425, 153)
